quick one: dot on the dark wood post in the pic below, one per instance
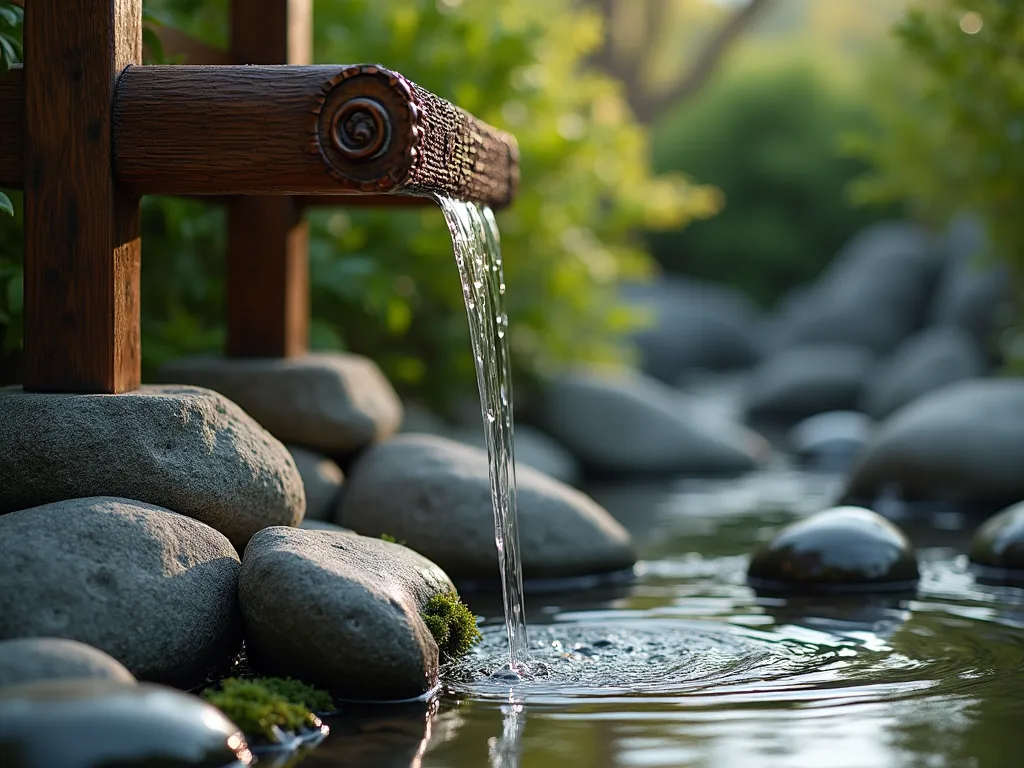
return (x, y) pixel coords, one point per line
(268, 255)
(82, 247)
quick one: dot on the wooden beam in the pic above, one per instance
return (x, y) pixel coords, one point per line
(82, 246)
(261, 130)
(268, 238)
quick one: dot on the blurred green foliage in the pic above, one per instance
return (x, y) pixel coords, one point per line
(768, 137)
(384, 283)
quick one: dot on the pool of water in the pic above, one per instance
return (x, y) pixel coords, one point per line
(686, 666)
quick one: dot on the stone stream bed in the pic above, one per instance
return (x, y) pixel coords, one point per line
(687, 666)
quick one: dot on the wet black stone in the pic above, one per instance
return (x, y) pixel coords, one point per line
(89, 723)
(997, 549)
(846, 549)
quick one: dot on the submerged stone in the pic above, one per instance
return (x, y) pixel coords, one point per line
(997, 549)
(155, 590)
(340, 612)
(845, 549)
(46, 658)
(101, 724)
(181, 448)
(435, 495)
(334, 403)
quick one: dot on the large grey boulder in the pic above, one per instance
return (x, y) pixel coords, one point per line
(151, 588)
(107, 724)
(874, 293)
(341, 612)
(532, 449)
(632, 424)
(975, 291)
(334, 403)
(804, 381)
(322, 480)
(183, 448)
(962, 443)
(434, 494)
(695, 325)
(928, 360)
(47, 658)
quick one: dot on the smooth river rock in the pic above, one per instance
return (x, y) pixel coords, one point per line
(108, 724)
(627, 424)
(334, 403)
(341, 612)
(183, 448)
(804, 381)
(841, 549)
(962, 443)
(533, 449)
(322, 480)
(45, 658)
(998, 546)
(155, 590)
(928, 360)
(434, 494)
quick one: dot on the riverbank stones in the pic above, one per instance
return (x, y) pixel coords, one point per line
(93, 723)
(997, 549)
(341, 612)
(845, 549)
(182, 448)
(322, 480)
(334, 403)
(635, 425)
(153, 589)
(962, 443)
(434, 494)
(45, 658)
(533, 449)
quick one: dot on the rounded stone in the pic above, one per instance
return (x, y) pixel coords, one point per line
(533, 449)
(435, 495)
(845, 549)
(181, 448)
(322, 480)
(334, 403)
(45, 658)
(155, 590)
(97, 723)
(998, 546)
(341, 612)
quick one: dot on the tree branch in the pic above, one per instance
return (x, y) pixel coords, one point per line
(648, 105)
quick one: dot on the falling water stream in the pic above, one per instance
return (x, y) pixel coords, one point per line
(475, 237)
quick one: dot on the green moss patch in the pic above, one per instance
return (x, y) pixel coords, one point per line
(257, 706)
(451, 623)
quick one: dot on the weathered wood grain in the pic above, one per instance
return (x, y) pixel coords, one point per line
(268, 238)
(82, 246)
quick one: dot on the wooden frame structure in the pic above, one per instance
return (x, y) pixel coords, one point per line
(86, 131)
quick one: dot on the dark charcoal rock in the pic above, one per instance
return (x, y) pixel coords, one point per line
(830, 441)
(873, 295)
(89, 723)
(927, 361)
(341, 612)
(842, 549)
(155, 590)
(962, 443)
(46, 658)
(435, 495)
(636, 425)
(695, 326)
(804, 381)
(998, 546)
(181, 448)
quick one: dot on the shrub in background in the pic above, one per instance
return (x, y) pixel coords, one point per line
(768, 137)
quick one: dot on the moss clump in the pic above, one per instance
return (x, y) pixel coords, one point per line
(257, 706)
(391, 539)
(451, 623)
